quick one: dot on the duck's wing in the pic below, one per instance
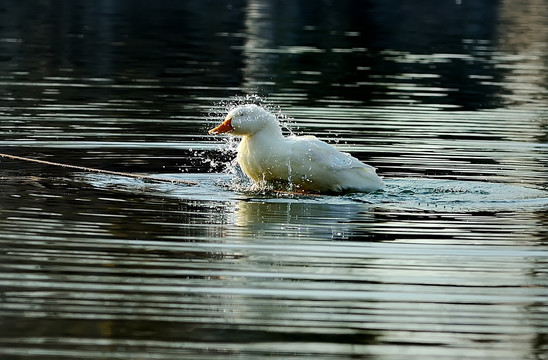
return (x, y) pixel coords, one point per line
(318, 166)
(323, 155)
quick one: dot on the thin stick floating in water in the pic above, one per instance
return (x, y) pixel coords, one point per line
(100, 171)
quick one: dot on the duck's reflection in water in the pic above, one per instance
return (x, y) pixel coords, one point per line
(316, 220)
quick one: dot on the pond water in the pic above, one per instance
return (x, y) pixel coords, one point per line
(448, 100)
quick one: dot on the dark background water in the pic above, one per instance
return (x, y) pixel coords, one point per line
(447, 99)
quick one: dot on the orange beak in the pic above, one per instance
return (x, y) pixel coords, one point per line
(225, 127)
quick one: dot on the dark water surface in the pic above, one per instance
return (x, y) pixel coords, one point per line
(448, 99)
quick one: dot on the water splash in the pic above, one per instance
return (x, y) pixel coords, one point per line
(221, 108)
(228, 145)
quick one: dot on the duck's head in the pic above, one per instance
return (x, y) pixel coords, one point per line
(247, 120)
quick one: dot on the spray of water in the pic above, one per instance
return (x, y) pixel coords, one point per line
(220, 109)
(228, 145)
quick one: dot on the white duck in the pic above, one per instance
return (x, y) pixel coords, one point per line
(308, 163)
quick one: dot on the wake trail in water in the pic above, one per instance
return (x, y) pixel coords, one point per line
(455, 195)
(412, 194)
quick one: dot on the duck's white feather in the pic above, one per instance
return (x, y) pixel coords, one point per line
(324, 168)
(264, 154)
